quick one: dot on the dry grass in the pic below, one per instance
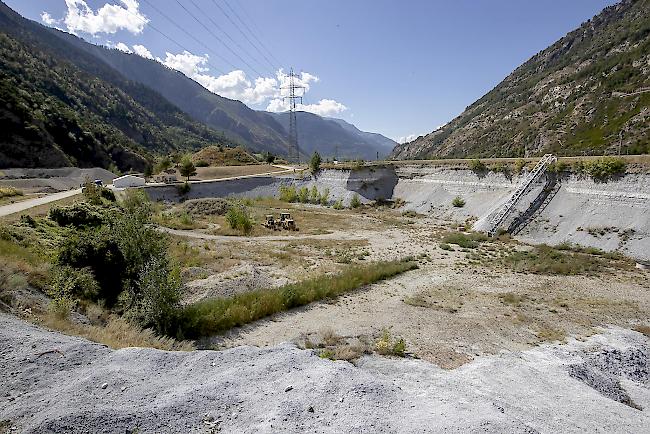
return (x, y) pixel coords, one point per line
(550, 334)
(117, 333)
(9, 192)
(210, 317)
(643, 329)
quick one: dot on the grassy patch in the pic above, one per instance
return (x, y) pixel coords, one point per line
(545, 259)
(458, 202)
(549, 334)
(465, 240)
(643, 329)
(117, 333)
(213, 316)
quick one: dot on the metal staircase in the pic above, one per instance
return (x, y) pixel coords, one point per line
(497, 219)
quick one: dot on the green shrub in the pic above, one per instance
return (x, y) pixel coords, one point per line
(447, 247)
(184, 188)
(314, 162)
(208, 317)
(324, 197)
(519, 165)
(458, 202)
(156, 302)
(355, 202)
(238, 218)
(202, 163)
(604, 168)
(385, 345)
(338, 205)
(314, 197)
(303, 195)
(544, 259)
(288, 193)
(78, 215)
(477, 165)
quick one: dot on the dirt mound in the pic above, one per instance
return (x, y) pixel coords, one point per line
(207, 206)
(223, 156)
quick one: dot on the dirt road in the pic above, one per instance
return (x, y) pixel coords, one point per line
(13, 208)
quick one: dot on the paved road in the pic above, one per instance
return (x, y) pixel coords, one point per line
(13, 208)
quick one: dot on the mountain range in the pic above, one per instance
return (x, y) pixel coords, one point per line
(588, 93)
(67, 102)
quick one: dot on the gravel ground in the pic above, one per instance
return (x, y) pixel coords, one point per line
(87, 387)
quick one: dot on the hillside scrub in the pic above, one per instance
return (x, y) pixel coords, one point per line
(213, 316)
(602, 168)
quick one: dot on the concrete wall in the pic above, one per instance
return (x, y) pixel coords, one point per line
(622, 205)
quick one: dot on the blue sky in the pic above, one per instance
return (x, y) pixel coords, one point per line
(395, 67)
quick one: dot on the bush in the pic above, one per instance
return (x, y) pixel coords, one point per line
(9, 192)
(338, 205)
(288, 193)
(156, 302)
(314, 196)
(355, 202)
(202, 163)
(78, 215)
(477, 165)
(604, 168)
(324, 197)
(184, 188)
(303, 195)
(519, 165)
(458, 202)
(239, 219)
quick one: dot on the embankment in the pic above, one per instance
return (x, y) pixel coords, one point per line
(612, 215)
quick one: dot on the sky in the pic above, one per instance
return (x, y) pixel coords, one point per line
(400, 68)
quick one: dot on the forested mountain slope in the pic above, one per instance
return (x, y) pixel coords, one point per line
(585, 94)
(60, 106)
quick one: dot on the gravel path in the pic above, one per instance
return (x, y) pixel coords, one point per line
(593, 386)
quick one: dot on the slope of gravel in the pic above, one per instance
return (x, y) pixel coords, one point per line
(90, 388)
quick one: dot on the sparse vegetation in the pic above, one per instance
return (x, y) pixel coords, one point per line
(465, 240)
(602, 168)
(9, 192)
(213, 316)
(458, 202)
(386, 346)
(238, 218)
(355, 202)
(477, 166)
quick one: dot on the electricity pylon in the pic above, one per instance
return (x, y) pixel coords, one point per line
(293, 97)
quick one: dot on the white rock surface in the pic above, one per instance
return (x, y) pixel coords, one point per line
(248, 389)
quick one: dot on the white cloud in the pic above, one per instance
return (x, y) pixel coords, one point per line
(123, 47)
(142, 51)
(47, 19)
(108, 19)
(236, 85)
(324, 107)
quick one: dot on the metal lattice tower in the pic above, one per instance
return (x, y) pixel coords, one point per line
(293, 97)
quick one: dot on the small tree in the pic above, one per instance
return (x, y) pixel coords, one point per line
(313, 195)
(303, 195)
(187, 168)
(355, 202)
(314, 163)
(324, 197)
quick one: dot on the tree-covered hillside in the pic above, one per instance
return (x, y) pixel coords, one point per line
(586, 94)
(55, 113)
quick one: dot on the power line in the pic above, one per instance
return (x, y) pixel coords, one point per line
(293, 124)
(249, 30)
(273, 67)
(228, 35)
(219, 39)
(190, 35)
(257, 29)
(148, 23)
